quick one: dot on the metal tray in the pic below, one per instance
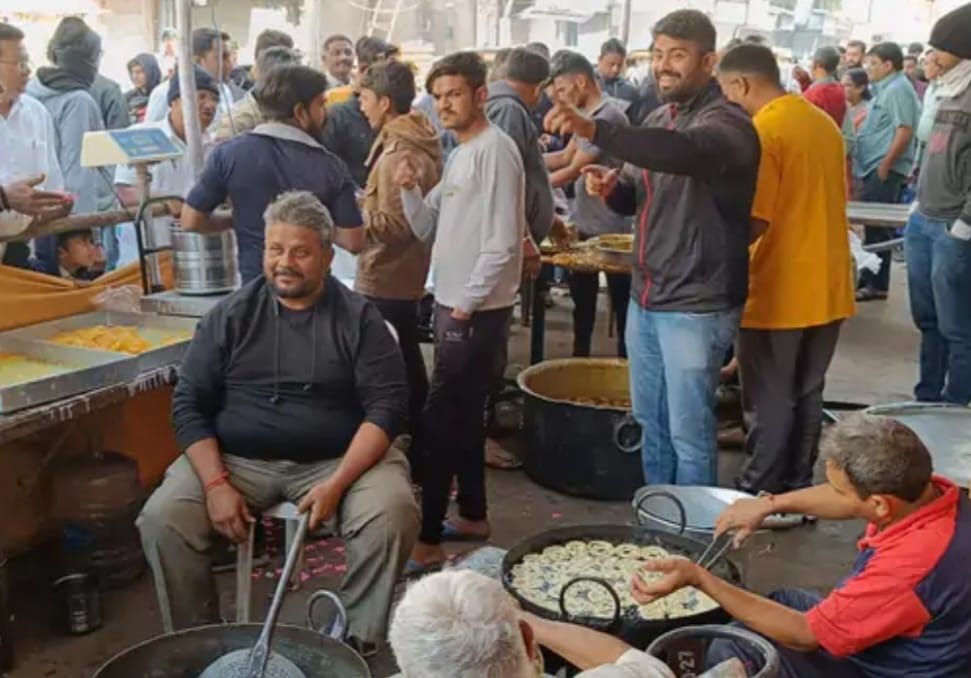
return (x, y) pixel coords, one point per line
(92, 370)
(659, 507)
(944, 429)
(173, 303)
(149, 360)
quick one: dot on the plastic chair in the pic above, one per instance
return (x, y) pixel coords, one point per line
(286, 511)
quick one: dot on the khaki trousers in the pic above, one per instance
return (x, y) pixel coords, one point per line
(377, 519)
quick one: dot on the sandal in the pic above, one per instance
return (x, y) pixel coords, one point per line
(414, 569)
(500, 459)
(870, 294)
(454, 534)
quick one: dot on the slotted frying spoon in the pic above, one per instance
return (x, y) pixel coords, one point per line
(259, 662)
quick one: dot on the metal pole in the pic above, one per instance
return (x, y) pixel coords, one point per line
(187, 86)
(312, 18)
(625, 22)
(151, 268)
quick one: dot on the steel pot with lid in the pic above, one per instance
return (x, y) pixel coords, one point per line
(581, 437)
(204, 263)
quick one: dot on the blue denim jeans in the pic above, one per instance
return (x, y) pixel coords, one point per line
(939, 278)
(675, 359)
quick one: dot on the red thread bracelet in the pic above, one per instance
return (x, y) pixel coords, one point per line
(221, 479)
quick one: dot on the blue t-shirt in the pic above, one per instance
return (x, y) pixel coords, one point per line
(894, 105)
(252, 170)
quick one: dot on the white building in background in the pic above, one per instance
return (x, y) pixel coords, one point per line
(437, 27)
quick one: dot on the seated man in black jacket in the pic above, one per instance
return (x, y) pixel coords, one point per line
(292, 389)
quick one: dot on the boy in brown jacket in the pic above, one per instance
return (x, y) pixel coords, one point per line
(393, 266)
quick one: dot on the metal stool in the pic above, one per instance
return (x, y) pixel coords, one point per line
(286, 511)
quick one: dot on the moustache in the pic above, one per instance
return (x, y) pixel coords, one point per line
(277, 272)
(668, 74)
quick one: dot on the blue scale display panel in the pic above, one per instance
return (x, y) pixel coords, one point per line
(145, 144)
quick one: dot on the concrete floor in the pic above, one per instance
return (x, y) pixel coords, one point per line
(875, 363)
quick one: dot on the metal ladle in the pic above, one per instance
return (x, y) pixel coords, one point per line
(258, 662)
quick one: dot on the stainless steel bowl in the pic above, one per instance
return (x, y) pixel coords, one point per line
(205, 263)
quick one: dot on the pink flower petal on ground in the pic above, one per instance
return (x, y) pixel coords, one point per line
(256, 575)
(557, 516)
(339, 549)
(340, 568)
(304, 576)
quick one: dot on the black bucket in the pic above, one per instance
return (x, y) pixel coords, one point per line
(77, 604)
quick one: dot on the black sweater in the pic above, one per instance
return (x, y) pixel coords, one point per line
(271, 383)
(691, 175)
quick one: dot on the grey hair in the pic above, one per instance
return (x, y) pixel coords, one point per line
(458, 624)
(879, 455)
(272, 57)
(301, 208)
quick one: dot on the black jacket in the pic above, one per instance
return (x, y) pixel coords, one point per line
(507, 111)
(269, 383)
(691, 178)
(622, 90)
(349, 136)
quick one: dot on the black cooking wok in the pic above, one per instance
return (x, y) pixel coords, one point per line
(627, 624)
(186, 654)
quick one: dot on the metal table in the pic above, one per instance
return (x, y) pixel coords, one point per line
(173, 303)
(866, 213)
(34, 419)
(880, 214)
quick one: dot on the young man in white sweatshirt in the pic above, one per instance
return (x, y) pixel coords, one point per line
(477, 220)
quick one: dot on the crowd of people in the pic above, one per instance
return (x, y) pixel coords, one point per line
(735, 187)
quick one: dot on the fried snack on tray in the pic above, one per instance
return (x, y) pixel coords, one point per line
(616, 242)
(118, 338)
(587, 259)
(617, 403)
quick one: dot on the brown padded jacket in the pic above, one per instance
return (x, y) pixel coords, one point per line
(394, 263)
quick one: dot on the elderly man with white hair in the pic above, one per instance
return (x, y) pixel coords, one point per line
(461, 624)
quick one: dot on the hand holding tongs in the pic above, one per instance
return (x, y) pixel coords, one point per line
(706, 560)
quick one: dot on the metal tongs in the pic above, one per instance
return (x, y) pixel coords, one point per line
(712, 553)
(706, 560)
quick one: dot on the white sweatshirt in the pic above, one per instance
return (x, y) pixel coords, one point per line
(476, 217)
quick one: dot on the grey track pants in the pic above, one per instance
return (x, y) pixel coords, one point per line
(377, 518)
(783, 373)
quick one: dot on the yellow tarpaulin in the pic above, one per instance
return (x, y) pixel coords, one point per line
(27, 297)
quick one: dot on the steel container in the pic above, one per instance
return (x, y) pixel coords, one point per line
(586, 450)
(204, 263)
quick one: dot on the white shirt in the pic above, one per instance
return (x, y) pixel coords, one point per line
(172, 177)
(158, 103)
(29, 145)
(632, 664)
